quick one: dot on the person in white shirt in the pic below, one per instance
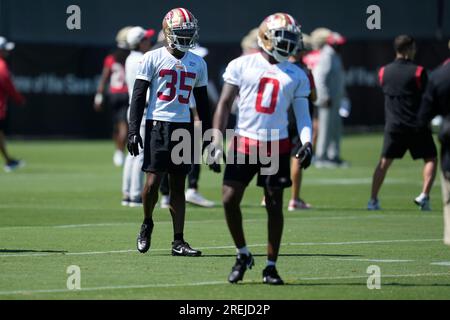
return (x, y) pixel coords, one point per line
(267, 84)
(173, 74)
(140, 42)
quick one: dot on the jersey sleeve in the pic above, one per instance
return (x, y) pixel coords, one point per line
(202, 80)
(108, 62)
(145, 68)
(232, 73)
(303, 89)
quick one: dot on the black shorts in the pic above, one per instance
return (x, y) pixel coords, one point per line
(2, 124)
(245, 172)
(119, 106)
(158, 148)
(419, 143)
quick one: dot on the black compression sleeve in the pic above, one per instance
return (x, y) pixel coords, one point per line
(203, 109)
(137, 106)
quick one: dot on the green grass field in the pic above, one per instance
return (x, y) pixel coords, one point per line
(64, 209)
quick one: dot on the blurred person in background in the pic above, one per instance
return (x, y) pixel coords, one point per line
(403, 83)
(116, 96)
(329, 76)
(139, 41)
(249, 43)
(436, 101)
(7, 91)
(296, 202)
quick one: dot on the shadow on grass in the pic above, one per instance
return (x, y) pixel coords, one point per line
(30, 251)
(306, 283)
(281, 255)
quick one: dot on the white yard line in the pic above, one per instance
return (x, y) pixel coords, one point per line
(373, 260)
(209, 283)
(221, 247)
(443, 263)
(115, 224)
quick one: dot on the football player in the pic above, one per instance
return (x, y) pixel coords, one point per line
(172, 73)
(267, 84)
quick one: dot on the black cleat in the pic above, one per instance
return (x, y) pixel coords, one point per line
(242, 263)
(270, 276)
(144, 238)
(181, 248)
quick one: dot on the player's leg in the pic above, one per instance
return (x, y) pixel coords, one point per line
(445, 183)
(149, 199)
(10, 163)
(377, 181)
(422, 146)
(429, 174)
(126, 179)
(165, 191)
(192, 194)
(274, 207)
(3, 150)
(155, 164)
(232, 193)
(178, 211)
(136, 183)
(273, 188)
(296, 203)
(394, 147)
(323, 137)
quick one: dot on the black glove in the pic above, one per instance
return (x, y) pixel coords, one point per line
(134, 141)
(304, 154)
(214, 154)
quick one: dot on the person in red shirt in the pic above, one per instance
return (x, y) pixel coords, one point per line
(7, 91)
(113, 86)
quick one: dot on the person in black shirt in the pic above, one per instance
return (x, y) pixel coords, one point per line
(436, 101)
(403, 83)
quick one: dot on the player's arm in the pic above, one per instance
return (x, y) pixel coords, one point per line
(304, 127)
(98, 101)
(203, 108)
(137, 108)
(227, 98)
(220, 121)
(428, 108)
(11, 90)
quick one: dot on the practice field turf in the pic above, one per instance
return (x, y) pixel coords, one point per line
(64, 209)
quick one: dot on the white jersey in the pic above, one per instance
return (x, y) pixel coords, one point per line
(171, 83)
(265, 93)
(131, 69)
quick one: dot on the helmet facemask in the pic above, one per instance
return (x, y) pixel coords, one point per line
(284, 43)
(184, 37)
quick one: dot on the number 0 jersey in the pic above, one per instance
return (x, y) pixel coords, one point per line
(265, 93)
(171, 83)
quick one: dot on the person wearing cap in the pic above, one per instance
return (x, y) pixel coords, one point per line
(113, 91)
(330, 81)
(139, 41)
(7, 91)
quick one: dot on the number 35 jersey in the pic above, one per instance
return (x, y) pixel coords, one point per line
(172, 81)
(265, 93)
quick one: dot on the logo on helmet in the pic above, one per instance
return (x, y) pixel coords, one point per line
(181, 29)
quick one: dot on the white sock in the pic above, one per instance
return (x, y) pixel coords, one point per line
(422, 196)
(271, 263)
(243, 250)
